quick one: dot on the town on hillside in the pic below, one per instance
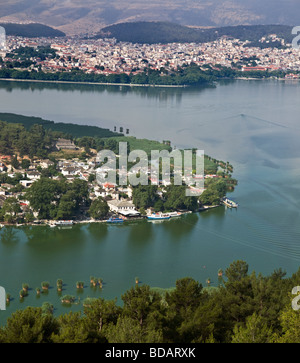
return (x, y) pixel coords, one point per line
(110, 57)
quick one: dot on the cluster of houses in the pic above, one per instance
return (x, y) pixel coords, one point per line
(107, 56)
(119, 199)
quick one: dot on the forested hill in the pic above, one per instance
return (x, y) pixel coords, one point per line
(31, 30)
(163, 32)
(73, 130)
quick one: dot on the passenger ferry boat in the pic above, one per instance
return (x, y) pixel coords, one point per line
(156, 216)
(115, 220)
(229, 203)
(174, 214)
(64, 223)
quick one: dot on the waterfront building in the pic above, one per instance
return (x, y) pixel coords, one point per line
(124, 207)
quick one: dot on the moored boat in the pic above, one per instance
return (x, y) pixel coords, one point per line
(115, 220)
(229, 203)
(157, 216)
(174, 214)
(64, 223)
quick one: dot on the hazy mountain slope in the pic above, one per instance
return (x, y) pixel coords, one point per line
(163, 32)
(75, 15)
(31, 30)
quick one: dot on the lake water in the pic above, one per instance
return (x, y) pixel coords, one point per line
(252, 124)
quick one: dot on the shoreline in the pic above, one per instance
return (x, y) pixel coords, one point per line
(140, 85)
(265, 79)
(51, 223)
(94, 83)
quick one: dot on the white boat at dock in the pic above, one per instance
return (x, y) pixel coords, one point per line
(158, 216)
(174, 214)
(163, 216)
(63, 223)
(229, 203)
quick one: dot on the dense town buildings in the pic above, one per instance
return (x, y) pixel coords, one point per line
(105, 56)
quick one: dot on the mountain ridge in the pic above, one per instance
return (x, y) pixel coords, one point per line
(164, 32)
(31, 30)
(80, 16)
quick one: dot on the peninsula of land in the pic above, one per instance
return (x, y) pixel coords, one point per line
(48, 175)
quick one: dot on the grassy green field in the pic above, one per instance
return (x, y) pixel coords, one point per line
(141, 144)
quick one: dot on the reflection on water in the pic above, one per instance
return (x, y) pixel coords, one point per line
(140, 233)
(9, 235)
(36, 235)
(179, 228)
(160, 93)
(98, 230)
(218, 213)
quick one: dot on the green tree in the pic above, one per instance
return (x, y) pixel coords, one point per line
(67, 205)
(15, 163)
(140, 303)
(98, 315)
(81, 192)
(99, 208)
(253, 331)
(209, 197)
(47, 308)
(71, 329)
(237, 271)
(44, 196)
(144, 196)
(187, 295)
(29, 326)
(128, 330)
(11, 206)
(92, 178)
(175, 199)
(290, 323)
(182, 305)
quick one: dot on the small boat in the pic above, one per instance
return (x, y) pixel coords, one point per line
(229, 203)
(158, 216)
(115, 220)
(64, 223)
(174, 214)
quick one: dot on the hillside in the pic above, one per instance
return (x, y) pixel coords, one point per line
(79, 16)
(73, 130)
(31, 30)
(151, 32)
(162, 32)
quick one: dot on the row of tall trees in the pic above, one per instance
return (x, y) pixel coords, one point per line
(189, 75)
